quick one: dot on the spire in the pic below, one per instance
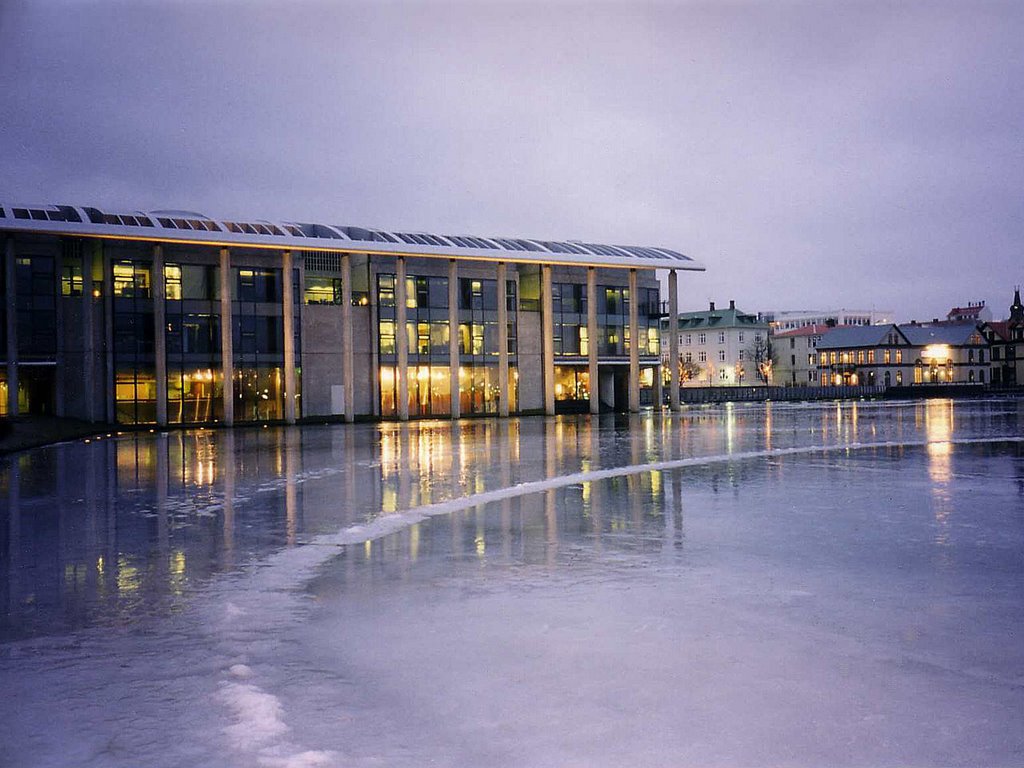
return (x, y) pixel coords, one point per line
(1017, 309)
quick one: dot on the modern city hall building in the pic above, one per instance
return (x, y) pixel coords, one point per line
(172, 317)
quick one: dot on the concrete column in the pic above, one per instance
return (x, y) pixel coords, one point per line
(402, 340)
(227, 357)
(59, 399)
(88, 338)
(108, 337)
(453, 334)
(547, 340)
(288, 284)
(502, 340)
(673, 338)
(634, 345)
(659, 392)
(592, 341)
(11, 316)
(348, 369)
(160, 334)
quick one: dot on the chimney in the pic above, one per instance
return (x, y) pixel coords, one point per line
(732, 303)
(712, 307)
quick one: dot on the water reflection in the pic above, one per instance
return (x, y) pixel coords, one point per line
(115, 529)
(938, 423)
(557, 530)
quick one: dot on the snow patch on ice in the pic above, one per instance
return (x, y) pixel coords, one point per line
(312, 758)
(259, 725)
(257, 715)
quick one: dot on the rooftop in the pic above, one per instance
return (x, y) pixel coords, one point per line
(807, 330)
(191, 227)
(718, 318)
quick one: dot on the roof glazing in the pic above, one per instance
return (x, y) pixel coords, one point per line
(196, 227)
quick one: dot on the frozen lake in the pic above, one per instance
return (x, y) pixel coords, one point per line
(780, 584)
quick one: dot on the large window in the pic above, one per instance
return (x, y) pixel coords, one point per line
(427, 337)
(258, 343)
(134, 334)
(195, 379)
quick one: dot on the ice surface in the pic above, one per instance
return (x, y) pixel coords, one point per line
(735, 585)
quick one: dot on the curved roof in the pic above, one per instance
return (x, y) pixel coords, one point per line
(189, 227)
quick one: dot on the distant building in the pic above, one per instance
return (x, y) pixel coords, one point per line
(1006, 346)
(796, 356)
(720, 348)
(895, 355)
(974, 312)
(791, 319)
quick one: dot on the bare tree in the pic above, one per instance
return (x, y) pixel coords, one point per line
(763, 354)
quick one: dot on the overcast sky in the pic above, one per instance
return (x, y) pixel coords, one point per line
(812, 155)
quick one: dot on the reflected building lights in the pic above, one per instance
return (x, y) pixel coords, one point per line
(938, 421)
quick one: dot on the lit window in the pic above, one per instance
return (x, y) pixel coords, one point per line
(387, 337)
(172, 282)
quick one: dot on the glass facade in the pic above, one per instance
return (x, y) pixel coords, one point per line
(36, 307)
(195, 381)
(258, 342)
(192, 333)
(134, 357)
(427, 336)
(53, 274)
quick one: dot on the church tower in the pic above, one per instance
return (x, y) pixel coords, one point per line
(1016, 309)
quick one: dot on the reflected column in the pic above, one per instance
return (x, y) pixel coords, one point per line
(162, 524)
(13, 534)
(227, 360)
(227, 461)
(550, 512)
(292, 467)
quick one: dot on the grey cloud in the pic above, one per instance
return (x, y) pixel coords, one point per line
(811, 154)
